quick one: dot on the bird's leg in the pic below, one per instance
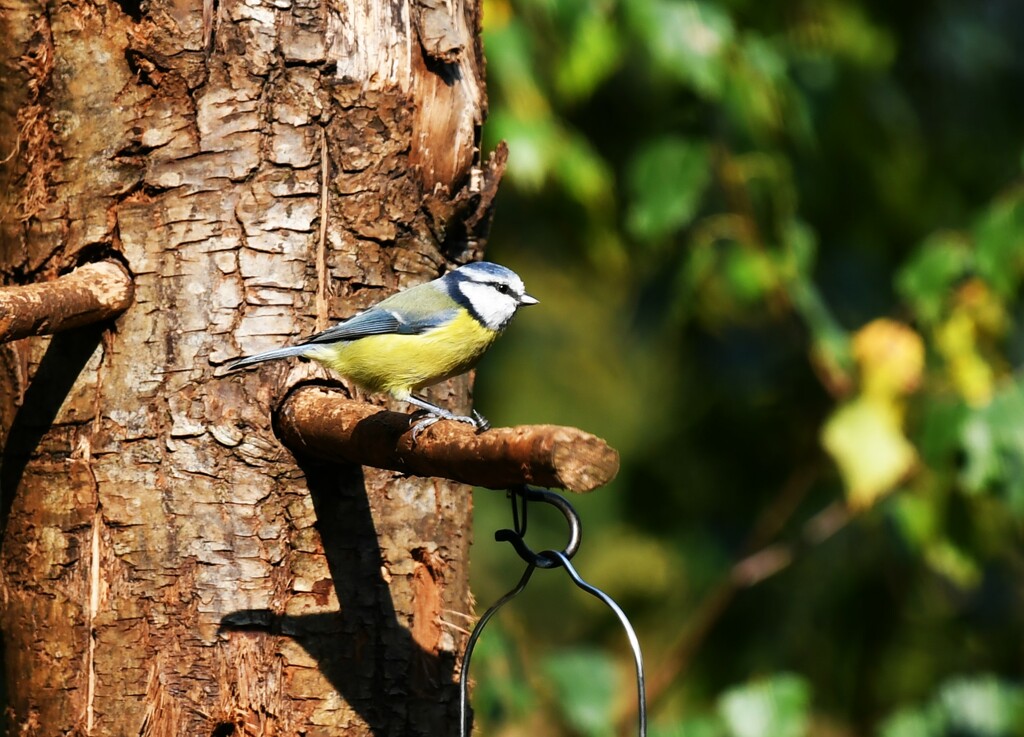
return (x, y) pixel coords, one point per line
(440, 413)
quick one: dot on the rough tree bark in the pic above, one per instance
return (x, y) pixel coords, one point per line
(261, 167)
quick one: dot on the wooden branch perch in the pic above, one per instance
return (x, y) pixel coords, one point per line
(88, 294)
(325, 424)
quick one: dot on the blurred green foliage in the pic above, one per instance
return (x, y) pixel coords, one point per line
(779, 250)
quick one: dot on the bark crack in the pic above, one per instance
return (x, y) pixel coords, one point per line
(322, 276)
(94, 607)
(95, 571)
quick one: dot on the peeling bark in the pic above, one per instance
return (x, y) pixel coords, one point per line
(261, 166)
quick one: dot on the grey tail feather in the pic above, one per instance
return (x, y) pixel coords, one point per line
(292, 350)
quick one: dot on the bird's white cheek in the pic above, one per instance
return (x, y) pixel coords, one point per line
(495, 309)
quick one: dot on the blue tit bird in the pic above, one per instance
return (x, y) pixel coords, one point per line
(418, 337)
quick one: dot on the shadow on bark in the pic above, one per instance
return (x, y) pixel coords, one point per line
(369, 657)
(66, 356)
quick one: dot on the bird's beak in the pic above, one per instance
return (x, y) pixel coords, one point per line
(526, 299)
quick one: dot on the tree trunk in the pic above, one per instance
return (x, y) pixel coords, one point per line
(262, 167)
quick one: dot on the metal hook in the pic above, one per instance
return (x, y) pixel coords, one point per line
(471, 644)
(523, 495)
(546, 559)
(634, 642)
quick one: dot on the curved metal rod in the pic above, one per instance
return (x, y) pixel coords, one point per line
(516, 536)
(634, 643)
(471, 643)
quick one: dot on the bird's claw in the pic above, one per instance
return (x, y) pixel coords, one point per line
(478, 421)
(423, 424)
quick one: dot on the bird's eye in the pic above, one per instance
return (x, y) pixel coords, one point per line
(503, 288)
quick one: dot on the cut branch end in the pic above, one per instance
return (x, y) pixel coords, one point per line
(89, 294)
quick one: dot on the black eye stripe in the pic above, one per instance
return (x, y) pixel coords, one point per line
(502, 287)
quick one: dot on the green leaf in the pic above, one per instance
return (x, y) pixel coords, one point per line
(585, 684)
(750, 273)
(999, 238)
(983, 706)
(979, 706)
(845, 32)
(666, 179)
(595, 49)
(931, 272)
(916, 518)
(696, 726)
(954, 563)
(688, 40)
(757, 85)
(940, 427)
(532, 146)
(510, 55)
(982, 458)
(927, 722)
(993, 443)
(774, 707)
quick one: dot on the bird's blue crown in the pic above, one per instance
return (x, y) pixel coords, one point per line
(484, 270)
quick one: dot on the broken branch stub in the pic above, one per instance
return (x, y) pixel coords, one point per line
(89, 294)
(325, 424)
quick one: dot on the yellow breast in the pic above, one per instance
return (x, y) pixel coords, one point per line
(401, 364)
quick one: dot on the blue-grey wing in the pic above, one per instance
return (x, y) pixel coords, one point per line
(379, 321)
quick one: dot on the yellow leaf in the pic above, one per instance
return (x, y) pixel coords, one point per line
(977, 319)
(890, 356)
(956, 339)
(865, 438)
